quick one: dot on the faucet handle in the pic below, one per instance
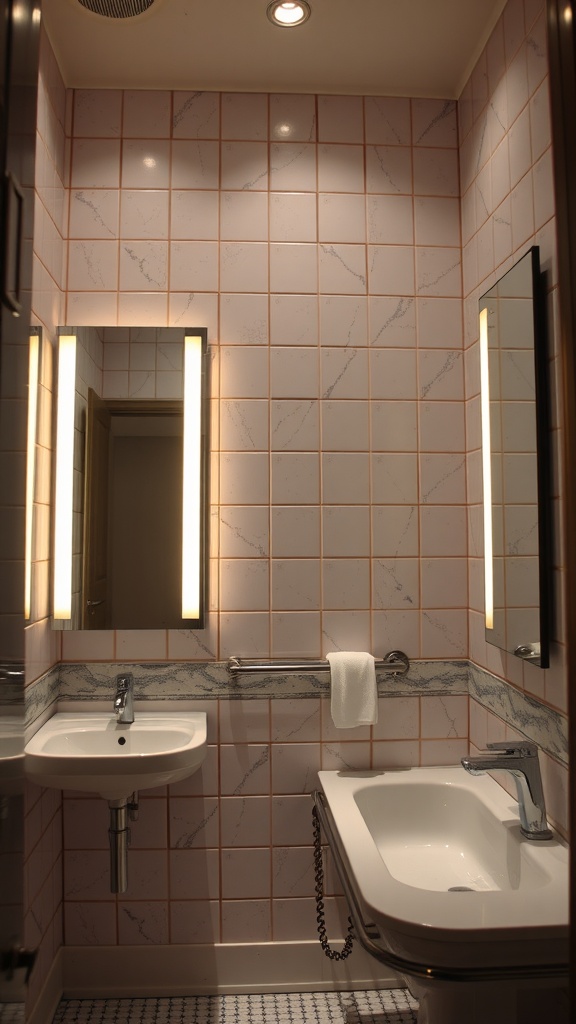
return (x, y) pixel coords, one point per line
(124, 681)
(524, 747)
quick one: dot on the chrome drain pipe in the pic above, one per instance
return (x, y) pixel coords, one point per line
(119, 836)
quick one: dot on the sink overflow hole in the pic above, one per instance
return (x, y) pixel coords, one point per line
(122, 741)
(460, 888)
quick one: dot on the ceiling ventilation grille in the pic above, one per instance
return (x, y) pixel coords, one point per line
(117, 8)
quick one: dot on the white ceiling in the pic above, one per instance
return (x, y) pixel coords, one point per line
(370, 47)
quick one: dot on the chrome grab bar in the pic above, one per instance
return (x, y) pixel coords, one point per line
(394, 663)
(370, 939)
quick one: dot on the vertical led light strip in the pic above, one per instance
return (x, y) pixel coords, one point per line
(486, 471)
(33, 373)
(192, 491)
(63, 510)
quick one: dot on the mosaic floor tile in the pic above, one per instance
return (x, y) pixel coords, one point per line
(386, 1006)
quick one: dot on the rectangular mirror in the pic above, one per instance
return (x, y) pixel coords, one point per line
(515, 461)
(131, 487)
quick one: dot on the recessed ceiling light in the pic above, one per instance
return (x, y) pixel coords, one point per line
(287, 15)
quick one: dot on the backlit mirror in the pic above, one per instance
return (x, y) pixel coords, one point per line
(131, 464)
(515, 461)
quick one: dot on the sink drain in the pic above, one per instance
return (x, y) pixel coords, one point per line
(460, 888)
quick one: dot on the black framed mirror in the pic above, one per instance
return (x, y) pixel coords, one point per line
(515, 441)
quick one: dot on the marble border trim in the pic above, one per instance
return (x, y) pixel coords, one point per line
(536, 721)
(211, 681)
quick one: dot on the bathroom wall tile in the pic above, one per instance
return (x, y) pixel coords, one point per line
(245, 634)
(438, 271)
(442, 479)
(145, 164)
(295, 721)
(245, 821)
(244, 166)
(244, 584)
(245, 874)
(93, 265)
(435, 172)
(395, 478)
(294, 373)
(444, 717)
(398, 719)
(193, 822)
(144, 214)
(346, 757)
(244, 116)
(392, 321)
(444, 633)
(442, 752)
(195, 921)
(294, 767)
(344, 373)
(437, 221)
(441, 426)
(295, 634)
(143, 266)
(195, 165)
(292, 872)
(434, 123)
(346, 583)
(340, 119)
(196, 115)
(293, 267)
(395, 754)
(244, 531)
(341, 218)
(293, 117)
(142, 923)
(245, 769)
(387, 120)
(293, 320)
(291, 820)
(394, 426)
(243, 216)
(395, 583)
(97, 113)
(295, 532)
(292, 167)
(244, 266)
(92, 645)
(150, 831)
(393, 374)
(243, 425)
(536, 53)
(389, 170)
(94, 213)
(293, 217)
(244, 721)
(90, 924)
(294, 426)
(246, 920)
(342, 268)
(194, 215)
(140, 644)
(149, 873)
(244, 372)
(144, 307)
(86, 875)
(394, 530)
(345, 426)
(345, 531)
(85, 824)
(443, 530)
(343, 320)
(243, 319)
(295, 584)
(391, 270)
(146, 114)
(390, 220)
(194, 874)
(295, 478)
(340, 168)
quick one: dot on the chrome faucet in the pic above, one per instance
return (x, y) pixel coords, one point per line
(521, 760)
(123, 701)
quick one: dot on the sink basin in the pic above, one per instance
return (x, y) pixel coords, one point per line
(91, 751)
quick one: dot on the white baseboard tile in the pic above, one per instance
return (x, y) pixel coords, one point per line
(50, 994)
(114, 971)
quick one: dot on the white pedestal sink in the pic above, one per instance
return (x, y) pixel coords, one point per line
(91, 751)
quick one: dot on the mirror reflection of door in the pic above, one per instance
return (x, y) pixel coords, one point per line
(133, 515)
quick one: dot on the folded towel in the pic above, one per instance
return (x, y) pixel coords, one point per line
(353, 684)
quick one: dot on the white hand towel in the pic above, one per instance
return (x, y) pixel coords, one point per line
(353, 687)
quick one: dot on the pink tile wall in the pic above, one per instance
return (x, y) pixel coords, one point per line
(318, 238)
(507, 206)
(225, 856)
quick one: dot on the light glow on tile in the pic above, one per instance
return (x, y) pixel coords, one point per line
(33, 372)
